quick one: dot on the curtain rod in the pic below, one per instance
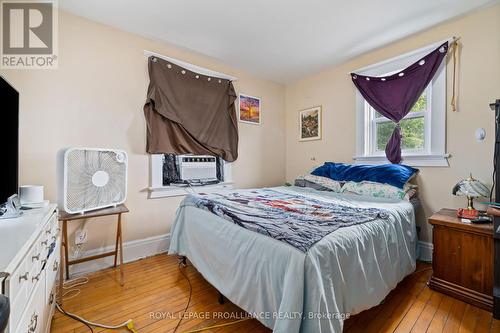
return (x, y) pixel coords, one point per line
(191, 67)
(435, 44)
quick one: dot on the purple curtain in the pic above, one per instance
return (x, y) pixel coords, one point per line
(393, 96)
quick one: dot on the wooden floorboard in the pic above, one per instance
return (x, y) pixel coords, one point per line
(155, 295)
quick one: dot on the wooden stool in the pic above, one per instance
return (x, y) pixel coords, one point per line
(66, 217)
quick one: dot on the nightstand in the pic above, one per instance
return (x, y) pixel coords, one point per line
(462, 259)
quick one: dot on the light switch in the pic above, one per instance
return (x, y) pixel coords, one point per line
(480, 134)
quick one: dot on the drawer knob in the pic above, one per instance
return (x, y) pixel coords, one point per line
(37, 257)
(23, 277)
(53, 238)
(33, 323)
(51, 298)
(47, 232)
(44, 242)
(56, 266)
(35, 278)
(44, 261)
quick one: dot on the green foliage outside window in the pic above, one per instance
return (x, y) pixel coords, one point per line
(412, 128)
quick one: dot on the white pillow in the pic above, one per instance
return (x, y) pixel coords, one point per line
(328, 183)
(379, 190)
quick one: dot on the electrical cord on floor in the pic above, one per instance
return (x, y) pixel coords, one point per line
(182, 262)
(129, 324)
(70, 287)
(422, 270)
(74, 317)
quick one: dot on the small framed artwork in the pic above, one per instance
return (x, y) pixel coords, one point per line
(249, 109)
(310, 124)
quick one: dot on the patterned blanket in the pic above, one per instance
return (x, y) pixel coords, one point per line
(291, 218)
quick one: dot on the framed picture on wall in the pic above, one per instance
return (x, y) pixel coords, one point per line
(249, 109)
(310, 124)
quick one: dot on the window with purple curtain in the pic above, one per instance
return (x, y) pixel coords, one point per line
(393, 96)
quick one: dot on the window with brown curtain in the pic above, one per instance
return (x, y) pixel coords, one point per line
(189, 113)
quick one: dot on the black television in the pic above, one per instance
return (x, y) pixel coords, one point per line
(9, 140)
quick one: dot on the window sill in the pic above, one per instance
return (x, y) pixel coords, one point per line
(175, 191)
(434, 160)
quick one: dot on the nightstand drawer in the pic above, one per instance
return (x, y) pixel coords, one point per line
(459, 258)
(462, 259)
(477, 263)
(447, 254)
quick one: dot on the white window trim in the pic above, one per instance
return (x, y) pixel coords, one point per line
(435, 154)
(157, 190)
(371, 122)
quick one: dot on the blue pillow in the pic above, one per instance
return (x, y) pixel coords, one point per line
(392, 174)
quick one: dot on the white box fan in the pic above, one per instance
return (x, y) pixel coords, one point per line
(91, 178)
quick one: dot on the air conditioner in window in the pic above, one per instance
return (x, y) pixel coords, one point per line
(197, 169)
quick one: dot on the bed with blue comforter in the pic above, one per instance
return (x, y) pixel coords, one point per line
(297, 259)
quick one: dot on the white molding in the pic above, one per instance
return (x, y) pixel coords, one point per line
(424, 251)
(132, 251)
(438, 160)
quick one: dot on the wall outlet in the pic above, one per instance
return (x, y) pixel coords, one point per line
(80, 237)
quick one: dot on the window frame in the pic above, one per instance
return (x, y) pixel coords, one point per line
(434, 153)
(372, 121)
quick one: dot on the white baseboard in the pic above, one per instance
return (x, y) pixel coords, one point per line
(424, 251)
(133, 250)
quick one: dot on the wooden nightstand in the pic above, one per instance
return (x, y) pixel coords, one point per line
(462, 260)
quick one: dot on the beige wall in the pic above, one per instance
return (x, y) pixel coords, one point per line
(95, 99)
(479, 85)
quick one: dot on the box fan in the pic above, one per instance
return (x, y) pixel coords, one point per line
(91, 178)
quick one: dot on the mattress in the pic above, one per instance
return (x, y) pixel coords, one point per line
(348, 271)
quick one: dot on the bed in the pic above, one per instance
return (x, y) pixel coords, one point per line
(291, 290)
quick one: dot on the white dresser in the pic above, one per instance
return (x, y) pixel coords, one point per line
(29, 263)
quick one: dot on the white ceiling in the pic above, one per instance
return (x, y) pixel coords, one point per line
(281, 40)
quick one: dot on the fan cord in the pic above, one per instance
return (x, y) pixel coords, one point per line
(70, 287)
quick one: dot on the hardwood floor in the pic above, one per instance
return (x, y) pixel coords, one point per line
(154, 288)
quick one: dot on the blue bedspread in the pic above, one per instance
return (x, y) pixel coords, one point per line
(294, 219)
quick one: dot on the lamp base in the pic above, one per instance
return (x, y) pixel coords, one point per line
(467, 213)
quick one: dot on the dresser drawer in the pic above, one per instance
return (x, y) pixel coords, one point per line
(32, 320)
(34, 260)
(52, 268)
(49, 236)
(19, 285)
(49, 309)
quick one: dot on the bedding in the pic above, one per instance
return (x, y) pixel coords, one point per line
(393, 174)
(297, 220)
(380, 190)
(288, 290)
(318, 183)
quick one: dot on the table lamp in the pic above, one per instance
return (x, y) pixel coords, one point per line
(471, 188)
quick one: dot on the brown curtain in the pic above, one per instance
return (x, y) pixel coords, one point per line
(188, 112)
